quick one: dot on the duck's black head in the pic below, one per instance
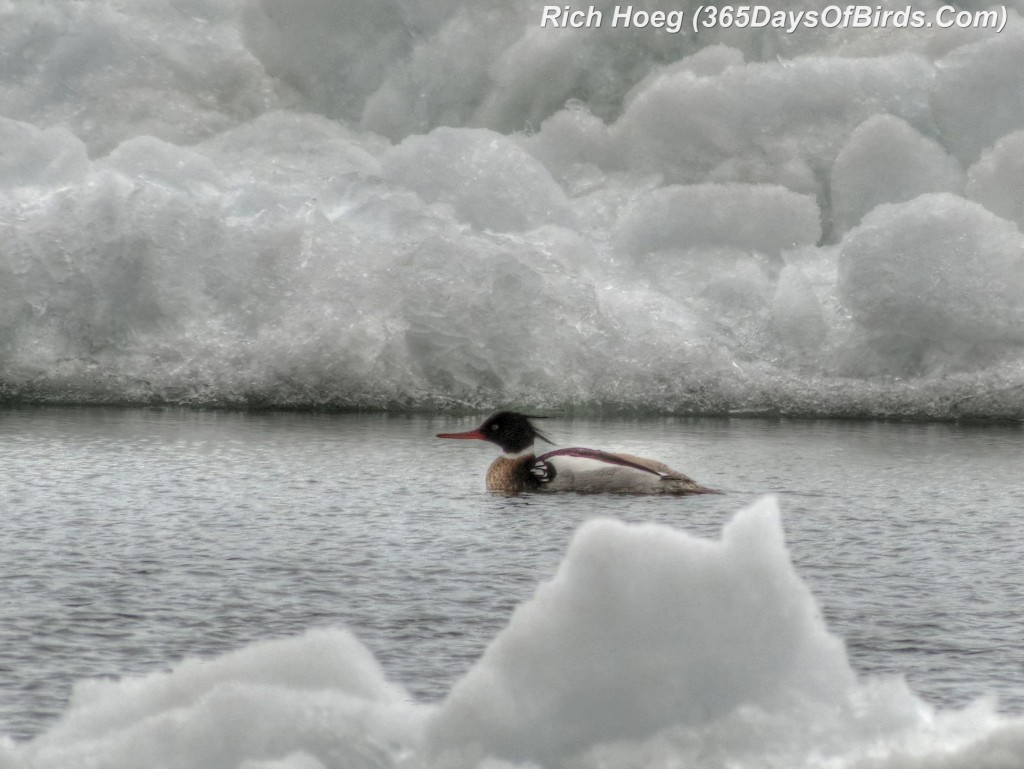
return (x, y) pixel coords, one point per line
(510, 430)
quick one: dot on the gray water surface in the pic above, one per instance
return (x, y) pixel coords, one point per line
(130, 539)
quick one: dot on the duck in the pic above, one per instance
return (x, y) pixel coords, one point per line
(519, 469)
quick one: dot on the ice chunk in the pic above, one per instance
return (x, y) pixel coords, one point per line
(488, 180)
(887, 161)
(796, 312)
(96, 268)
(712, 60)
(482, 314)
(981, 79)
(157, 162)
(643, 627)
(707, 62)
(533, 78)
(779, 123)
(997, 179)
(108, 74)
(29, 156)
(293, 148)
(297, 760)
(571, 144)
(492, 65)
(447, 73)
(764, 218)
(317, 699)
(328, 56)
(938, 270)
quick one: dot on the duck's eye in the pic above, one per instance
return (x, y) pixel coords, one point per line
(494, 428)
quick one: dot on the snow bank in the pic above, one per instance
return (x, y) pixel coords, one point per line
(350, 205)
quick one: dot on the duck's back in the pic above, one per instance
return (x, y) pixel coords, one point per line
(593, 471)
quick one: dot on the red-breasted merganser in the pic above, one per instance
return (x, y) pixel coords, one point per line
(518, 469)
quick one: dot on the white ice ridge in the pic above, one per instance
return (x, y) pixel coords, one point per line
(648, 647)
(319, 204)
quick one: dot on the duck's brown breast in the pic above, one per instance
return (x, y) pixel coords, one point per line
(510, 475)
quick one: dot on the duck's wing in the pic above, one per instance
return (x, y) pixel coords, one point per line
(580, 461)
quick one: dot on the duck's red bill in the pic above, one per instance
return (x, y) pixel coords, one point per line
(468, 435)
